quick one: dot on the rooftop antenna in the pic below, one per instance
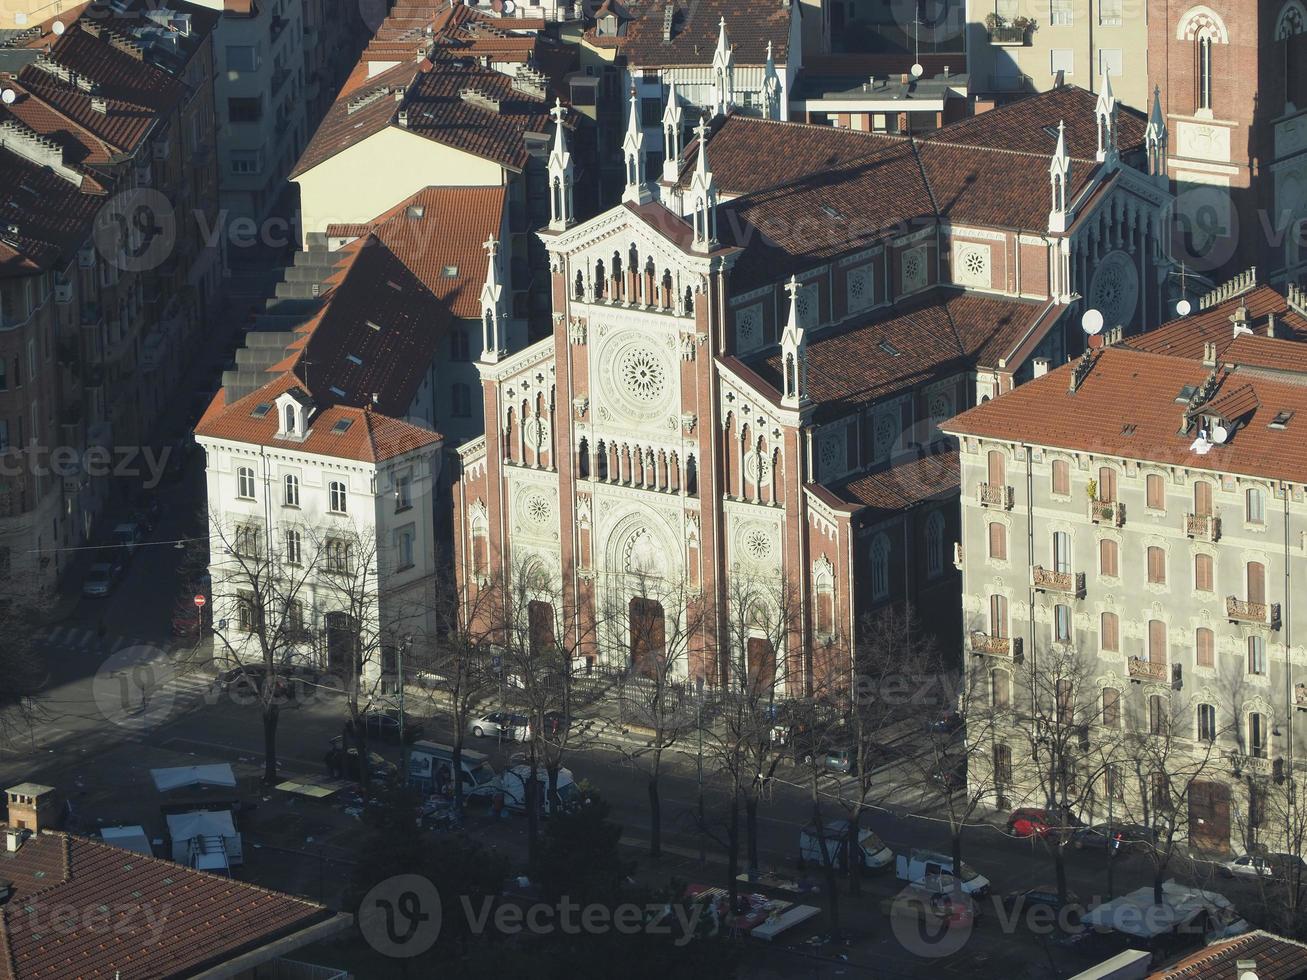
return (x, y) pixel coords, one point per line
(1184, 306)
(917, 70)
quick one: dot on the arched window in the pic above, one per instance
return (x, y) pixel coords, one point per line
(245, 483)
(460, 400)
(1207, 722)
(293, 546)
(336, 497)
(583, 459)
(1157, 718)
(935, 545)
(602, 461)
(580, 285)
(691, 476)
(291, 490)
(1256, 655)
(599, 279)
(1002, 766)
(998, 616)
(1204, 72)
(880, 567)
(290, 419)
(1257, 735)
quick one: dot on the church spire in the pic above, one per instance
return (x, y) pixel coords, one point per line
(671, 136)
(637, 187)
(771, 87)
(1105, 114)
(723, 73)
(703, 197)
(1155, 137)
(1059, 174)
(561, 214)
(794, 353)
(492, 306)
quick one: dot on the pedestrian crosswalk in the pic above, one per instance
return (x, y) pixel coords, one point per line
(88, 640)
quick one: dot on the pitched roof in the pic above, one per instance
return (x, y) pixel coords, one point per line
(904, 485)
(338, 431)
(156, 918)
(438, 235)
(433, 96)
(1186, 336)
(1129, 405)
(897, 347)
(695, 27)
(1277, 959)
(52, 216)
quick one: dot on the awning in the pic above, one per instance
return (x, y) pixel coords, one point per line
(179, 777)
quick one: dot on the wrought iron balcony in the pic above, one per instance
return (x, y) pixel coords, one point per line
(1008, 36)
(1256, 613)
(1068, 583)
(1107, 512)
(995, 495)
(1007, 647)
(1147, 670)
(1205, 527)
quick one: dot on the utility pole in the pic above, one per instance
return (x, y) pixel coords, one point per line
(698, 716)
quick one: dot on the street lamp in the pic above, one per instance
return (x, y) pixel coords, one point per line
(698, 723)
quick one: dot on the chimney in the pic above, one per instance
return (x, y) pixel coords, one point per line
(904, 78)
(32, 807)
(99, 105)
(1209, 354)
(1246, 969)
(14, 839)
(1040, 365)
(403, 119)
(946, 74)
(1270, 325)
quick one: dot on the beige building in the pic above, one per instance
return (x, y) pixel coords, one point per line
(1022, 45)
(1139, 512)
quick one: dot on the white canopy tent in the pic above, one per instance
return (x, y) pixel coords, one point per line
(181, 777)
(205, 839)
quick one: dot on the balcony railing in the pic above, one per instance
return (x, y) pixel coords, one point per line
(1008, 647)
(1107, 512)
(1258, 613)
(1009, 83)
(1205, 527)
(1047, 580)
(995, 495)
(1147, 670)
(1008, 35)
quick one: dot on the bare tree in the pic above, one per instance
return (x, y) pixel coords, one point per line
(25, 611)
(1276, 806)
(260, 589)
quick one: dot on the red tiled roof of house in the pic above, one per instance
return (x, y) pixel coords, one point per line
(1277, 958)
(437, 111)
(749, 26)
(140, 916)
(1129, 405)
(1273, 354)
(905, 484)
(1186, 336)
(52, 216)
(367, 436)
(900, 346)
(1232, 404)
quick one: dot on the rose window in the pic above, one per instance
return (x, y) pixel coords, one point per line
(1115, 289)
(758, 544)
(830, 454)
(537, 508)
(642, 374)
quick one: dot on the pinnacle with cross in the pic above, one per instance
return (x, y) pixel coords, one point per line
(491, 246)
(558, 113)
(792, 287)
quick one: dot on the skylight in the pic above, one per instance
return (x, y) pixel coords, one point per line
(337, 392)
(374, 325)
(341, 425)
(1281, 420)
(261, 409)
(450, 272)
(1186, 393)
(889, 348)
(354, 359)
(832, 213)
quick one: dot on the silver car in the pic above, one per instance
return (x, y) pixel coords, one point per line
(99, 581)
(501, 724)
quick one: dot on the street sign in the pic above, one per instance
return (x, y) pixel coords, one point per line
(496, 662)
(200, 601)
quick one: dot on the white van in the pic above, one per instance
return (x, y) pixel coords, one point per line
(925, 867)
(513, 781)
(430, 765)
(875, 855)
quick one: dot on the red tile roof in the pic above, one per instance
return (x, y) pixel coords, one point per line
(135, 916)
(1127, 406)
(898, 347)
(1186, 336)
(749, 26)
(905, 485)
(370, 437)
(436, 111)
(52, 216)
(1277, 958)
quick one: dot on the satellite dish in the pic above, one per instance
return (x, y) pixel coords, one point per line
(917, 71)
(1183, 307)
(1219, 434)
(509, 6)
(58, 27)
(8, 96)
(1092, 322)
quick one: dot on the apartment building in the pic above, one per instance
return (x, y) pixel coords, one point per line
(109, 197)
(1142, 510)
(1024, 45)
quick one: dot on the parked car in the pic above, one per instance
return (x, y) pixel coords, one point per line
(872, 850)
(114, 557)
(924, 866)
(951, 779)
(127, 535)
(941, 900)
(1040, 822)
(1264, 866)
(833, 757)
(344, 763)
(501, 724)
(513, 783)
(100, 581)
(1046, 895)
(1116, 837)
(384, 725)
(248, 680)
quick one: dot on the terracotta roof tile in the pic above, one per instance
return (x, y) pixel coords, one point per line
(749, 26)
(1277, 958)
(52, 216)
(1127, 406)
(139, 916)
(1186, 336)
(905, 484)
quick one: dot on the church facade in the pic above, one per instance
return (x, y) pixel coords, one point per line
(748, 367)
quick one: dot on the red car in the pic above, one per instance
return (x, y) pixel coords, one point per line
(1037, 822)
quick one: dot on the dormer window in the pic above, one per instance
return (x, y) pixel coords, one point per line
(293, 411)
